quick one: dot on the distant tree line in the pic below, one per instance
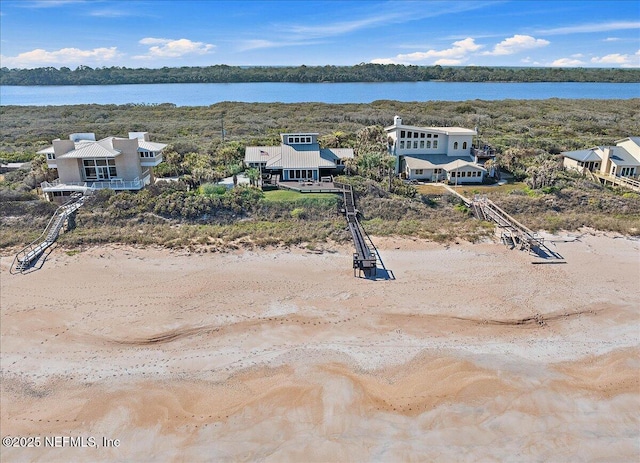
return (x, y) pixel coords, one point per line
(84, 75)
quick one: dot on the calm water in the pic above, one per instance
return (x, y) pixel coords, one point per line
(207, 94)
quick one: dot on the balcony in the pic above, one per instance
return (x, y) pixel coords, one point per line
(147, 161)
(111, 184)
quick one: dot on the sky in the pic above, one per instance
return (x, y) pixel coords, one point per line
(158, 33)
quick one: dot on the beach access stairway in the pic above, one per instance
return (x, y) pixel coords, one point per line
(513, 233)
(27, 256)
(365, 258)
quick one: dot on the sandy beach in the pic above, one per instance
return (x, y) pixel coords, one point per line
(472, 353)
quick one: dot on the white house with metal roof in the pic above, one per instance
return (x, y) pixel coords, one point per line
(434, 153)
(299, 157)
(621, 160)
(85, 164)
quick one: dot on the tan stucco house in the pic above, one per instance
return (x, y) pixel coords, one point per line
(621, 160)
(85, 164)
(434, 153)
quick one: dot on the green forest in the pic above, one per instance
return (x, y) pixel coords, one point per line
(84, 75)
(193, 212)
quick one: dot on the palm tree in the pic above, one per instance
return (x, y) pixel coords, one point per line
(253, 174)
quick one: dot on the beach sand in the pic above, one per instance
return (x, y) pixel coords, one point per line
(472, 353)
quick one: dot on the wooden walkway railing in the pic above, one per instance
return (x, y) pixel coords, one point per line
(32, 252)
(627, 182)
(364, 259)
(513, 232)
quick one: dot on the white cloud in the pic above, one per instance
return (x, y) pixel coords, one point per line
(516, 44)
(617, 59)
(612, 39)
(63, 57)
(259, 43)
(449, 56)
(567, 62)
(170, 48)
(592, 27)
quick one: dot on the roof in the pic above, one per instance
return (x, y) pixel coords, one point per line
(150, 145)
(587, 155)
(621, 157)
(440, 161)
(443, 130)
(296, 156)
(92, 149)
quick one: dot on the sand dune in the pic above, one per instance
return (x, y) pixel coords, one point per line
(471, 354)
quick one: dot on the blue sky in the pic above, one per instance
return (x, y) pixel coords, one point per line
(156, 33)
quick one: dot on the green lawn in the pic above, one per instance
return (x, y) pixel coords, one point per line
(470, 190)
(292, 196)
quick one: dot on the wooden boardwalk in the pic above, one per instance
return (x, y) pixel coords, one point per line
(513, 232)
(32, 252)
(626, 182)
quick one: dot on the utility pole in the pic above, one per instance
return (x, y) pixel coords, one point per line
(223, 131)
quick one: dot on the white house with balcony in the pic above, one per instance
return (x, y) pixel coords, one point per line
(86, 164)
(434, 154)
(621, 160)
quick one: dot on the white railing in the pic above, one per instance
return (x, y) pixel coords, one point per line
(135, 184)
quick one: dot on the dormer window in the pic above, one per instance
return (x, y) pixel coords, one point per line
(51, 156)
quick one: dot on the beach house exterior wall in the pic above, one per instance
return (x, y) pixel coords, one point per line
(85, 164)
(434, 153)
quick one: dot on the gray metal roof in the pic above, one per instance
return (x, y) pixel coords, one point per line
(150, 145)
(587, 155)
(440, 161)
(621, 157)
(296, 156)
(92, 149)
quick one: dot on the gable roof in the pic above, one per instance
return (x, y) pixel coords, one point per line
(296, 156)
(587, 155)
(440, 161)
(92, 149)
(621, 157)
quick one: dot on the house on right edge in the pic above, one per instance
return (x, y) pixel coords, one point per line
(436, 153)
(621, 160)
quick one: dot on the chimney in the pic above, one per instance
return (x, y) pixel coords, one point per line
(397, 121)
(606, 161)
(63, 146)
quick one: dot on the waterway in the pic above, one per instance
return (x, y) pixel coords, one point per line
(208, 94)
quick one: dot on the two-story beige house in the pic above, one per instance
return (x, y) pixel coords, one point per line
(85, 164)
(434, 153)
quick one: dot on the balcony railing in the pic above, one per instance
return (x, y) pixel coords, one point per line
(111, 184)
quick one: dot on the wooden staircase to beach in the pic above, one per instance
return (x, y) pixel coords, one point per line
(32, 252)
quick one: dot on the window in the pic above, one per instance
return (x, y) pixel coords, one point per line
(464, 174)
(421, 143)
(464, 145)
(402, 145)
(418, 171)
(415, 145)
(435, 143)
(428, 135)
(51, 156)
(415, 134)
(438, 171)
(422, 135)
(402, 134)
(99, 169)
(428, 143)
(435, 136)
(455, 145)
(147, 154)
